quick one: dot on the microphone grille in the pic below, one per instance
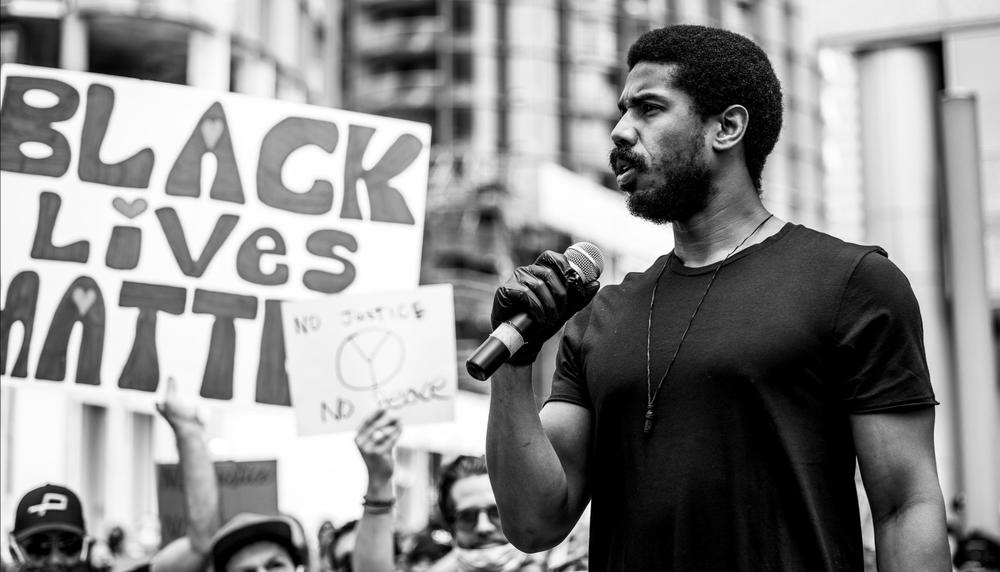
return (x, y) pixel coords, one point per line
(588, 259)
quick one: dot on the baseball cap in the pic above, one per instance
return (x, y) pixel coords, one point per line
(246, 528)
(49, 507)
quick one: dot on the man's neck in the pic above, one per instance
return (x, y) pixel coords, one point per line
(709, 236)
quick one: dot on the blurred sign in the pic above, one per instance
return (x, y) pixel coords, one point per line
(349, 354)
(244, 486)
(152, 229)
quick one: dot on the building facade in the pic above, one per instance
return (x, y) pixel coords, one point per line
(521, 95)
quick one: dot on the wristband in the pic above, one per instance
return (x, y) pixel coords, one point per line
(379, 503)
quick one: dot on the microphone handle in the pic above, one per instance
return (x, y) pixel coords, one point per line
(498, 347)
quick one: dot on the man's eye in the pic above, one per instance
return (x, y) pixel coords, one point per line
(646, 108)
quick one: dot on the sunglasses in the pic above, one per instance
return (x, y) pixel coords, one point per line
(40, 546)
(468, 518)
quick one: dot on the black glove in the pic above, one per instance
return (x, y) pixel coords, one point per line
(550, 292)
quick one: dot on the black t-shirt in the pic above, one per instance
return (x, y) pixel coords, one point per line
(750, 463)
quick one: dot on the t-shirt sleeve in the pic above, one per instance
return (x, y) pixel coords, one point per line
(880, 347)
(568, 382)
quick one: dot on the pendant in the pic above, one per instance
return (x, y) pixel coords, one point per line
(648, 425)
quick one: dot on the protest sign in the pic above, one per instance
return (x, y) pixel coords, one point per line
(244, 486)
(349, 354)
(152, 229)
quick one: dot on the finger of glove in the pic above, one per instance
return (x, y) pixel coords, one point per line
(525, 292)
(548, 285)
(511, 299)
(557, 261)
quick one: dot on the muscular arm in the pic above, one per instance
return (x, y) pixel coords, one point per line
(537, 461)
(896, 455)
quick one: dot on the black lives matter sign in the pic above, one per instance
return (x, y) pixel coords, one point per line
(152, 229)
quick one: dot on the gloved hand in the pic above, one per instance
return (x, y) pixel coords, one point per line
(550, 292)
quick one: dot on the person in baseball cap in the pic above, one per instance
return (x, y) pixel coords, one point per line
(49, 531)
(255, 542)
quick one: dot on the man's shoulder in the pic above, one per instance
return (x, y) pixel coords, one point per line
(805, 237)
(826, 249)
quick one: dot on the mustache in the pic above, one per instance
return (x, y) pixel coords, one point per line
(628, 156)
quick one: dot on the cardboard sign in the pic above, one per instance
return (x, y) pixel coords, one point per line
(152, 229)
(244, 486)
(349, 354)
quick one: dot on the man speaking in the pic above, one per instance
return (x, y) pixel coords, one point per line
(713, 407)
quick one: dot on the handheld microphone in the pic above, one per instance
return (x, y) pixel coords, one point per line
(586, 261)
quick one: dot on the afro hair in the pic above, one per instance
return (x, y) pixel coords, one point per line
(719, 68)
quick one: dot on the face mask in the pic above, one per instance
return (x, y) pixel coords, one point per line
(500, 558)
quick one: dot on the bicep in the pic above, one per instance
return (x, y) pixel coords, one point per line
(567, 427)
(895, 452)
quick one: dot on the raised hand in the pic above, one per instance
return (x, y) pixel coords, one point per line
(376, 438)
(177, 412)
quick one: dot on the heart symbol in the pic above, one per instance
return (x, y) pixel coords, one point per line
(211, 130)
(131, 210)
(84, 299)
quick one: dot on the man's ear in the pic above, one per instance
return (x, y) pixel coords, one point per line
(731, 126)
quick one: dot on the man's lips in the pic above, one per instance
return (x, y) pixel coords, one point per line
(626, 165)
(626, 177)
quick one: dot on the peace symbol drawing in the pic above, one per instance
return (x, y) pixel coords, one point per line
(369, 359)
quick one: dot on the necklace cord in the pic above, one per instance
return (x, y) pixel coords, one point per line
(651, 394)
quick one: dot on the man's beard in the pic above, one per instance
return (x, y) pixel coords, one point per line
(682, 190)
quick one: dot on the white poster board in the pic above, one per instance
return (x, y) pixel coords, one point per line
(152, 229)
(348, 355)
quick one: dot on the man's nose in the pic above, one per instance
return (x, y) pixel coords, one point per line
(57, 557)
(483, 523)
(623, 134)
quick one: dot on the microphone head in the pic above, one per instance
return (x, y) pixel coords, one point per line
(587, 260)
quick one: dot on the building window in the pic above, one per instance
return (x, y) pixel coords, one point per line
(462, 123)
(461, 67)
(137, 48)
(462, 17)
(10, 42)
(30, 41)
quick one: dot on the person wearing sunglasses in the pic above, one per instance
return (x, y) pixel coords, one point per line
(49, 532)
(469, 509)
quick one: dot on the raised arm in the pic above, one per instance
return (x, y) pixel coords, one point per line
(374, 549)
(201, 489)
(537, 461)
(896, 455)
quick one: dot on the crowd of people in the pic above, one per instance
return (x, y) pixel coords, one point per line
(50, 533)
(783, 359)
